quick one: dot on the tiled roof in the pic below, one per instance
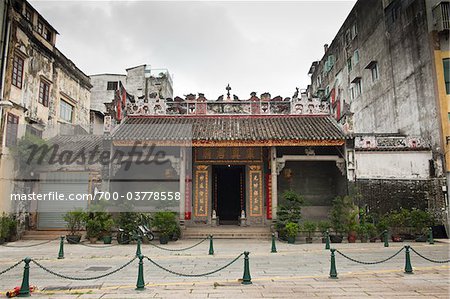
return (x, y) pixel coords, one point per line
(77, 143)
(229, 128)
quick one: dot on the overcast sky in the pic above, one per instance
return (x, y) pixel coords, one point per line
(253, 46)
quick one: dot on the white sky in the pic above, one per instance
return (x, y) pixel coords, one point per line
(253, 46)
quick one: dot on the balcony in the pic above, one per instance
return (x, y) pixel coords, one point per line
(441, 16)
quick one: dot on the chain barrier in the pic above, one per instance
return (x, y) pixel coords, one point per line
(82, 278)
(430, 260)
(98, 246)
(32, 245)
(370, 263)
(181, 249)
(194, 275)
(10, 268)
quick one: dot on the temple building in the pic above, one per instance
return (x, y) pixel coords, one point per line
(230, 159)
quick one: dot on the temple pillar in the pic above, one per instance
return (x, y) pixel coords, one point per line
(273, 170)
(182, 182)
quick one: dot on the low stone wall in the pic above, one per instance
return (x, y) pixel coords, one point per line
(384, 195)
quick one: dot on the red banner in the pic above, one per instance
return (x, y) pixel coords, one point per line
(187, 199)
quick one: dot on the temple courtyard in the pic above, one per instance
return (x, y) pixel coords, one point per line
(294, 271)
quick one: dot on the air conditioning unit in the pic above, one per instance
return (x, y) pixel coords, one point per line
(441, 16)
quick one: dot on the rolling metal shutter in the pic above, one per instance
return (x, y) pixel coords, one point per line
(50, 213)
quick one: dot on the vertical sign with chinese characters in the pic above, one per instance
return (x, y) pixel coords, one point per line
(256, 191)
(201, 191)
(269, 195)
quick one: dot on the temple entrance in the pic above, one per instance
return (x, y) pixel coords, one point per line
(229, 192)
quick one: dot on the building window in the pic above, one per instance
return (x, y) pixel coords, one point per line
(28, 15)
(17, 75)
(33, 131)
(65, 111)
(446, 63)
(356, 88)
(349, 65)
(40, 28)
(354, 31)
(395, 14)
(44, 92)
(47, 34)
(11, 130)
(374, 72)
(112, 85)
(356, 56)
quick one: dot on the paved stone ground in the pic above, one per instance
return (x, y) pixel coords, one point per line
(296, 271)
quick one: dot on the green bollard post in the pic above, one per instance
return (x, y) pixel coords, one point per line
(211, 246)
(430, 236)
(274, 247)
(246, 278)
(408, 267)
(140, 284)
(385, 237)
(327, 240)
(61, 248)
(138, 248)
(333, 272)
(25, 287)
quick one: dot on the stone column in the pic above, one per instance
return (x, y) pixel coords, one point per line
(182, 182)
(273, 169)
(106, 168)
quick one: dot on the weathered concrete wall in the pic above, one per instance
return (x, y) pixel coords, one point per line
(318, 182)
(42, 62)
(392, 165)
(382, 196)
(136, 81)
(402, 99)
(99, 92)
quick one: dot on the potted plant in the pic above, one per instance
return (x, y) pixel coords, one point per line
(106, 223)
(372, 232)
(420, 221)
(107, 226)
(10, 228)
(93, 229)
(396, 221)
(382, 225)
(291, 231)
(166, 224)
(288, 211)
(363, 232)
(127, 222)
(74, 222)
(323, 227)
(310, 228)
(3, 229)
(342, 212)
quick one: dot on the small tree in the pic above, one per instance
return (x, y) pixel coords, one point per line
(309, 227)
(342, 215)
(75, 221)
(289, 211)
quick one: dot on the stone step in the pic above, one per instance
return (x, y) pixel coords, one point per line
(43, 234)
(225, 232)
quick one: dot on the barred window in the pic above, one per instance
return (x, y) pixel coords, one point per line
(112, 85)
(17, 72)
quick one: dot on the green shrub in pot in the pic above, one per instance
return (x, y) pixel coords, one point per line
(291, 229)
(74, 222)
